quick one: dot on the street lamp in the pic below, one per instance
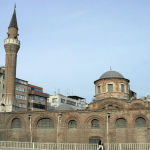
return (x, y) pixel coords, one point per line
(59, 116)
(29, 116)
(108, 116)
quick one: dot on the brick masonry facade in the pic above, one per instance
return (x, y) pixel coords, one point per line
(129, 111)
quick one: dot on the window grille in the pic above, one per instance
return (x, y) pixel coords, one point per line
(95, 124)
(110, 87)
(122, 88)
(16, 123)
(72, 124)
(99, 89)
(94, 139)
(110, 107)
(45, 123)
(140, 122)
(120, 123)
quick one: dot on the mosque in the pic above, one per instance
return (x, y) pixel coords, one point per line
(115, 114)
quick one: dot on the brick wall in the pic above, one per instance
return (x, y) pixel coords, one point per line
(129, 134)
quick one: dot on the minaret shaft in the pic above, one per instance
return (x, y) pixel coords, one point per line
(11, 45)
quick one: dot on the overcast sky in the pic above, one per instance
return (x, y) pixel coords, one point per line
(68, 44)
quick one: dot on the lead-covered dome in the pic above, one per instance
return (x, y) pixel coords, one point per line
(111, 74)
(64, 107)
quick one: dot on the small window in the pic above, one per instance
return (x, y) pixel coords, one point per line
(140, 122)
(120, 123)
(95, 124)
(16, 123)
(72, 124)
(110, 87)
(110, 107)
(122, 88)
(99, 89)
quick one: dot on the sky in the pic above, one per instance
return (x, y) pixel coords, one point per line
(68, 44)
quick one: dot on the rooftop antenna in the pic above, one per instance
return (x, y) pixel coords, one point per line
(110, 68)
(58, 91)
(67, 91)
(72, 92)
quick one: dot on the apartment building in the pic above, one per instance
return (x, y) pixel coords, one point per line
(29, 97)
(75, 102)
(37, 100)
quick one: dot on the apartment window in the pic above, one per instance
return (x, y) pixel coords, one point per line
(22, 97)
(62, 100)
(71, 103)
(21, 89)
(110, 87)
(122, 88)
(39, 106)
(29, 88)
(3, 77)
(54, 100)
(99, 89)
(3, 86)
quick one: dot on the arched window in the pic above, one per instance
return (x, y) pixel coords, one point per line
(120, 123)
(140, 122)
(45, 123)
(16, 123)
(72, 124)
(95, 124)
(110, 107)
(94, 139)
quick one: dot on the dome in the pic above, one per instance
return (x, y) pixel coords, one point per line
(111, 74)
(64, 107)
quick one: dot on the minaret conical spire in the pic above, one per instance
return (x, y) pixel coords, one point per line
(13, 22)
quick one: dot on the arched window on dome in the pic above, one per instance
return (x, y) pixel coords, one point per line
(110, 107)
(140, 122)
(121, 123)
(95, 124)
(16, 123)
(122, 88)
(110, 87)
(99, 89)
(72, 124)
(45, 123)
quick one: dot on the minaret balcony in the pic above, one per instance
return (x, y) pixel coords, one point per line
(12, 41)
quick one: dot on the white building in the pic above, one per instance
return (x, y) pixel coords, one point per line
(75, 102)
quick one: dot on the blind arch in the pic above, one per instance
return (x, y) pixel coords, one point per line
(72, 124)
(140, 122)
(45, 123)
(16, 123)
(121, 123)
(95, 124)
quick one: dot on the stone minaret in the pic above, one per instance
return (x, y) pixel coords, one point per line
(12, 45)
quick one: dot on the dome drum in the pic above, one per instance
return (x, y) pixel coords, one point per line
(111, 84)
